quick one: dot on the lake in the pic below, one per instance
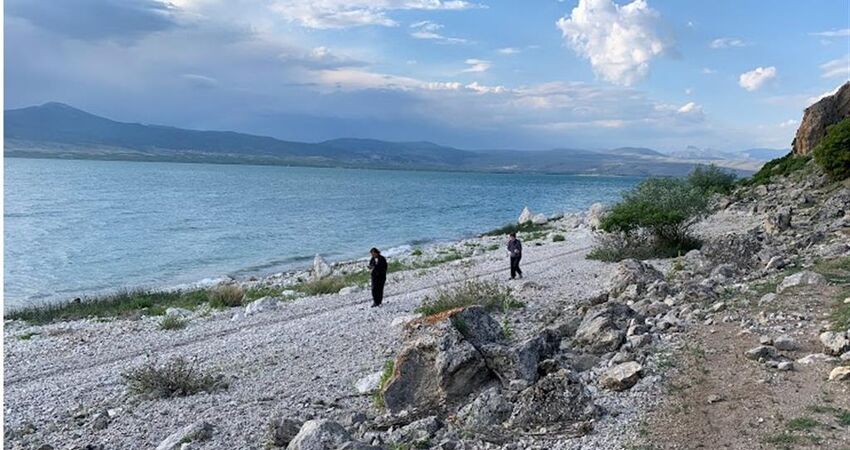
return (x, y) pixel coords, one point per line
(76, 228)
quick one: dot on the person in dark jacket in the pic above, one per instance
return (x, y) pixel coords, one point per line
(378, 266)
(515, 251)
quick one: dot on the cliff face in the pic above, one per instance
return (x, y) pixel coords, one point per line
(827, 111)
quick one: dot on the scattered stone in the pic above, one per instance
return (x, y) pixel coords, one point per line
(760, 353)
(778, 222)
(281, 431)
(321, 268)
(785, 343)
(593, 219)
(840, 374)
(633, 272)
(369, 383)
(490, 408)
(348, 290)
(178, 312)
(785, 366)
(539, 219)
(834, 343)
(319, 435)
(603, 328)
(804, 278)
(622, 376)
(714, 398)
(261, 305)
(417, 433)
(767, 299)
(556, 399)
(197, 431)
(815, 358)
(525, 216)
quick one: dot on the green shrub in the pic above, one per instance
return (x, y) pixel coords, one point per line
(172, 323)
(389, 369)
(488, 294)
(558, 238)
(178, 377)
(712, 179)
(776, 168)
(226, 296)
(333, 283)
(526, 227)
(833, 152)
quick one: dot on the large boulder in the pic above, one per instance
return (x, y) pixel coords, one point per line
(622, 376)
(539, 219)
(604, 327)
(593, 219)
(321, 268)
(196, 431)
(558, 398)
(738, 249)
(319, 435)
(281, 431)
(489, 409)
(804, 278)
(440, 362)
(633, 272)
(520, 362)
(835, 343)
(827, 111)
(778, 221)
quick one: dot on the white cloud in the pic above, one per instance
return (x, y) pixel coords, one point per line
(508, 51)
(756, 78)
(836, 68)
(727, 42)
(430, 30)
(481, 89)
(690, 108)
(322, 14)
(708, 71)
(619, 41)
(844, 32)
(788, 123)
(477, 65)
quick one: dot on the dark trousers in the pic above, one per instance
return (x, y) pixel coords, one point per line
(515, 266)
(378, 289)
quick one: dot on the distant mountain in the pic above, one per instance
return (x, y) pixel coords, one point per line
(56, 130)
(766, 154)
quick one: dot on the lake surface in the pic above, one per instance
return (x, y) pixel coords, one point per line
(76, 228)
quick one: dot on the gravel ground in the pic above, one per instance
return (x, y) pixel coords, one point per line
(298, 360)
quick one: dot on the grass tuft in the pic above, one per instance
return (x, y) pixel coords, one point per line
(389, 369)
(526, 227)
(558, 238)
(488, 294)
(176, 378)
(226, 296)
(172, 323)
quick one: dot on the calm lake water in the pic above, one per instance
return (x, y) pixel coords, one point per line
(75, 228)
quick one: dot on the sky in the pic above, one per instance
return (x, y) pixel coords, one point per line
(479, 74)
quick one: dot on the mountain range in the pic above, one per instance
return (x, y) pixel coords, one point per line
(56, 130)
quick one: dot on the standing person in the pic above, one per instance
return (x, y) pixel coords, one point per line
(515, 250)
(378, 266)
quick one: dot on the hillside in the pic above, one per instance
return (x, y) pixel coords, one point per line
(56, 130)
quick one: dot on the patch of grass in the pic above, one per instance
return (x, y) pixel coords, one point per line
(176, 378)
(460, 325)
(782, 440)
(835, 270)
(389, 369)
(488, 294)
(778, 167)
(258, 292)
(332, 284)
(843, 418)
(526, 227)
(492, 247)
(416, 252)
(226, 296)
(27, 336)
(615, 247)
(558, 238)
(173, 323)
(119, 304)
(802, 424)
(839, 318)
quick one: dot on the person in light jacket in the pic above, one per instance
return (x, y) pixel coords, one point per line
(378, 267)
(515, 251)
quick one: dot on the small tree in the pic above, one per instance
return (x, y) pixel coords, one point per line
(712, 179)
(833, 152)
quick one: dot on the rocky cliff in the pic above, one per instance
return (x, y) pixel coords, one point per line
(827, 111)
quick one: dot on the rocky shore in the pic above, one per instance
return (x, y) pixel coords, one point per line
(722, 347)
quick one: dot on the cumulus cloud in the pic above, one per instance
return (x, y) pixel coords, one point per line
(727, 42)
(836, 68)
(619, 41)
(756, 78)
(477, 65)
(844, 32)
(323, 14)
(430, 30)
(690, 108)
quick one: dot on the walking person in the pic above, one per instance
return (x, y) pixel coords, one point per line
(515, 251)
(378, 266)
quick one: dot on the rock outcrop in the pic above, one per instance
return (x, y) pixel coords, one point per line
(828, 111)
(525, 216)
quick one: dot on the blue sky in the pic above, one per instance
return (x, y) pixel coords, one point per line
(665, 74)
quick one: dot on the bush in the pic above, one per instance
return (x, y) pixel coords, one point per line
(652, 220)
(558, 238)
(488, 294)
(712, 179)
(833, 152)
(777, 168)
(332, 284)
(179, 377)
(172, 323)
(526, 227)
(226, 296)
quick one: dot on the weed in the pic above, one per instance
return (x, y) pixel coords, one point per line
(173, 323)
(802, 424)
(27, 336)
(558, 238)
(389, 369)
(226, 296)
(488, 294)
(178, 377)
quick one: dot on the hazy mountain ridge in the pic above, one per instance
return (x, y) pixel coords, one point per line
(56, 130)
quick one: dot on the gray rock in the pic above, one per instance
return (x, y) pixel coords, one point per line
(281, 431)
(261, 305)
(525, 216)
(622, 376)
(319, 435)
(840, 374)
(778, 222)
(416, 433)
(594, 216)
(489, 409)
(197, 431)
(834, 343)
(178, 312)
(633, 272)
(557, 398)
(603, 328)
(369, 383)
(760, 353)
(785, 343)
(815, 358)
(767, 299)
(321, 268)
(804, 278)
